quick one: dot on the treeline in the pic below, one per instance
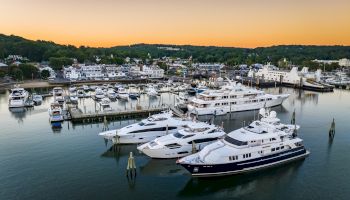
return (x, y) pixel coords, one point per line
(61, 54)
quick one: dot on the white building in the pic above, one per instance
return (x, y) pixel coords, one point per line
(92, 72)
(71, 73)
(344, 62)
(153, 71)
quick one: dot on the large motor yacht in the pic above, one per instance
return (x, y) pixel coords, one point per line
(146, 130)
(232, 98)
(263, 143)
(18, 97)
(193, 137)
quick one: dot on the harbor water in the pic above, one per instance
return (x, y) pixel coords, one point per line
(73, 162)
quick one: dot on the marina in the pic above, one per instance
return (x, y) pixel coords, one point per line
(76, 148)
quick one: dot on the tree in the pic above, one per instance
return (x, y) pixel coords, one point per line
(29, 71)
(45, 74)
(17, 74)
(58, 62)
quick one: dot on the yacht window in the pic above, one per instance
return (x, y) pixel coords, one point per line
(178, 135)
(217, 104)
(149, 124)
(141, 123)
(202, 140)
(187, 136)
(233, 96)
(282, 147)
(234, 141)
(273, 149)
(233, 102)
(173, 146)
(277, 148)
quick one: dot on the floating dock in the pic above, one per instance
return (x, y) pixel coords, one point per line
(76, 115)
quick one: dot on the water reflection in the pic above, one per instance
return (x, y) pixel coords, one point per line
(238, 186)
(162, 167)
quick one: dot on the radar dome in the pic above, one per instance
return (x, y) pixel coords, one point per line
(273, 114)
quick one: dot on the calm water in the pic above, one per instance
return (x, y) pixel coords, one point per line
(37, 162)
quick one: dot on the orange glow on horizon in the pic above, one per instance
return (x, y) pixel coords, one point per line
(235, 23)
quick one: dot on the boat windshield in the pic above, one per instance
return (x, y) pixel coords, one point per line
(178, 135)
(234, 141)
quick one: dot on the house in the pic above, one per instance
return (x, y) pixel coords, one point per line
(152, 71)
(71, 73)
(92, 72)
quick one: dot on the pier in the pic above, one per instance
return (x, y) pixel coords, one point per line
(76, 115)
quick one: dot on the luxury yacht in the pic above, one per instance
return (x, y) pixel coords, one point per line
(55, 112)
(58, 95)
(232, 98)
(146, 130)
(264, 143)
(193, 137)
(18, 97)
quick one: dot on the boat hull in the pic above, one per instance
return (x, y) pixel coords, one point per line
(234, 108)
(207, 170)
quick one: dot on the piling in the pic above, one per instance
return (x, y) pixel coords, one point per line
(331, 132)
(292, 121)
(194, 150)
(131, 167)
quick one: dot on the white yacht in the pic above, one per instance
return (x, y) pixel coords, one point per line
(232, 98)
(194, 137)
(55, 112)
(105, 104)
(18, 97)
(146, 130)
(123, 93)
(99, 94)
(183, 98)
(58, 95)
(264, 143)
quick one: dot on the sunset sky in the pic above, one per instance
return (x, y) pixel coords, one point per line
(239, 23)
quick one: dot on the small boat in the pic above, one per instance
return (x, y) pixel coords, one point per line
(194, 137)
(73, 98)
(37, 99)
(72, 89)
(123, 93)
(81, 93)
(105, 104)
(58, 95)
(111, 94)
(93, 87)
(99, 94)
(55, 112)
(86, 88)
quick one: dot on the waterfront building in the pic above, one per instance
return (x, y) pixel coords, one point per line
(92, 72)
(153, 71)
(71, 73)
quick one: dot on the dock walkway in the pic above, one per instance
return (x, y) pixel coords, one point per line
(78, 116)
